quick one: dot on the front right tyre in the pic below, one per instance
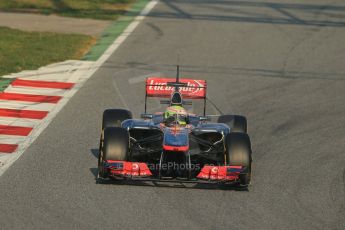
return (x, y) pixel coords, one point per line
(114, 117)
(111, 118)
(115, 147)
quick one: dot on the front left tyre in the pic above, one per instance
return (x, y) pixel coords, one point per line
(237, 123)
(238, 153)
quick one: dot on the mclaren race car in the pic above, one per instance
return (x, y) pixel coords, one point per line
(174, 145)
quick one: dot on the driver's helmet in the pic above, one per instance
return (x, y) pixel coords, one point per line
(179, 114)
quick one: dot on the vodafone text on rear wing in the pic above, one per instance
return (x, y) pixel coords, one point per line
(165, 87)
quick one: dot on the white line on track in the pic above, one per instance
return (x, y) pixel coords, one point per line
(81, 72)
(142, 78)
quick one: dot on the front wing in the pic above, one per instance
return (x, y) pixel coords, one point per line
(139, 171)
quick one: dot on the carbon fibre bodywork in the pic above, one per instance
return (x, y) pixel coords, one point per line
(174, 145)
(176, 151)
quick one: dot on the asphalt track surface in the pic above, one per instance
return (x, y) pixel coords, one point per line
(280, 63)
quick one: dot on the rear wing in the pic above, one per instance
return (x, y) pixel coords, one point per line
(164, 87)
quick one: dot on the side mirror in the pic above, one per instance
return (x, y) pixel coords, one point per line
(203, 119)
(146, 116)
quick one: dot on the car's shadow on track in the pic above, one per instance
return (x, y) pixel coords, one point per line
(94, 172)
(94, 152)
(173, 185)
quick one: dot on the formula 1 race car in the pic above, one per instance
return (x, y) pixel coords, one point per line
(174, 146)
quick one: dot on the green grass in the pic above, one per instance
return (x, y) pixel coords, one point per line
(115, 30)
(4, 82)
(97, 9)
(30, 50)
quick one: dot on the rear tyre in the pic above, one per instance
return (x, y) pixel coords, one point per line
(114, 117)
(238, 153)
(237, 123)
(115, 147)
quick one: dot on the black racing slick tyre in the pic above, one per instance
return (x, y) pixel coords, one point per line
(238, 153)
(114, 117)
(237, 123)
(115, 146)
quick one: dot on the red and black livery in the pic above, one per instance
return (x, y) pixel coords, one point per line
(154, 149)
